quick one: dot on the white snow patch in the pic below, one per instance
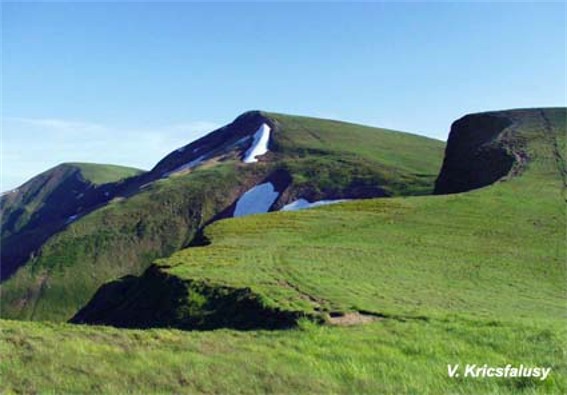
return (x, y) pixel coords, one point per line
(187, 166)
(72, 218)
(301, 204)
(180, 149)
(256, 200)
(260, 144)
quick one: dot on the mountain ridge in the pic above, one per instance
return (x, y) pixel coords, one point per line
(294, 263)
(160, 211)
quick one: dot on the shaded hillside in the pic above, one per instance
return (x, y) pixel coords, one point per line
(495, 253)
(159, 212)
(46, 203)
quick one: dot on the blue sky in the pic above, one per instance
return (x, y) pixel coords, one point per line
(127, 83)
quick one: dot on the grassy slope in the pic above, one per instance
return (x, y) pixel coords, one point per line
(478, 277)
(330, 153)
(497, 252)
(119, 239)
(469, 278)
(32, 195)
(390, 356)
(488, 253)
(391, 148)
(99, 174)
(126, 236)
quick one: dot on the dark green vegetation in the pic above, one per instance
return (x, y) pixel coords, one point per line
(476, 277)
(146, 217)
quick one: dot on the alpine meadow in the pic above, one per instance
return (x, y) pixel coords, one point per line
(305, 247)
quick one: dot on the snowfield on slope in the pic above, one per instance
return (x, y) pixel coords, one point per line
(301, 204)
(259, 146)
(256, 200)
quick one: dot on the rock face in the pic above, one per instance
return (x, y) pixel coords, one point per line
(479, 152)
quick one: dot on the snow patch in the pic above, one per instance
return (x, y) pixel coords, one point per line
(256, 200)
(301, 204)
(190, 165)
(72, 218)
(260, 144)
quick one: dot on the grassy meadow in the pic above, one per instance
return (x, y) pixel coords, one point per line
(470, 278)
(389, 356)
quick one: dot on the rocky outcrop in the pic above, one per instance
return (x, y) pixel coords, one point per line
(478, 153)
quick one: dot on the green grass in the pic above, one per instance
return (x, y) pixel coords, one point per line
(99, 174)
(389, 356)
(323, 158)
(495, 252)
(478, 277)
(332, 156)
(394, 149)
(119, 239)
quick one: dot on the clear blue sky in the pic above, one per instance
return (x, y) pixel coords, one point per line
(127, 83)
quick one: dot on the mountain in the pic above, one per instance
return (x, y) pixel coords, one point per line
(260, 162)
(495, 253)
(404, 286)
(46, 203)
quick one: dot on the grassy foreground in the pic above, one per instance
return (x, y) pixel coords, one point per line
(388, 356)
(471, 278)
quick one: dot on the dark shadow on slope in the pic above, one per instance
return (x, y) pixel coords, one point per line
(159, 300)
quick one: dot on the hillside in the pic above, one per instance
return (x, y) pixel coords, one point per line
(43, 205)
(406, 285)
(273, 158)
(397, 257)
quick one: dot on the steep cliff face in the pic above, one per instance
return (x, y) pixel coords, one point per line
(476, 154)
(487, 147)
